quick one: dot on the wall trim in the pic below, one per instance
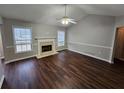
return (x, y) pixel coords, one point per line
(13, 46)
(1, 81)
(61, 49)
(108, 61)
(93, 45)
(10, 61)
(2, 57)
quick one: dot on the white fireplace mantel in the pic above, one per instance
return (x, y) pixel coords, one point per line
(38, 38)
(46, 41)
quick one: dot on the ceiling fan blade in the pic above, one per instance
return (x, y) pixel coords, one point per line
(66, 19)
(73, 22)
(70, 19)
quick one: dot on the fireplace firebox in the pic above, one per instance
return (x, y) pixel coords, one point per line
(46, 48)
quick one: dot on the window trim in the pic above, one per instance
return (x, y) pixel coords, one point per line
(15, 26)
(61, 41)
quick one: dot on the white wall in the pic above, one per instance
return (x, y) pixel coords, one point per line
(93, 36)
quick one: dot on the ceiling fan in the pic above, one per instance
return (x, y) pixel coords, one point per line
(65, 20)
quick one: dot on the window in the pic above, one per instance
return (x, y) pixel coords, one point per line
(61, 38)
(22, 39)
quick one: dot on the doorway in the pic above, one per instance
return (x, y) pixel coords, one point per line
(119, 44)
(1, 46)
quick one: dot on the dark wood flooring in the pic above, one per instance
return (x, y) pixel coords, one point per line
(64, 70)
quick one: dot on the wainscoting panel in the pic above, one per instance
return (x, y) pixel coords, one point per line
(100, 52)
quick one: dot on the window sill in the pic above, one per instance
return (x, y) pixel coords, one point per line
(23, 52)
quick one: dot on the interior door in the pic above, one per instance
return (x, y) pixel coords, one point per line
(119, 48)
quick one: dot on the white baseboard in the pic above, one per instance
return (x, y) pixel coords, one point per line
(38, 57)
(61, 49)
(1, 81)
(92, 56)
(7, 62)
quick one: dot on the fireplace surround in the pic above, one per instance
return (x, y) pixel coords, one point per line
(46, 47)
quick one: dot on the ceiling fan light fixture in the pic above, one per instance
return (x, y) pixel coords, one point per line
(65, 21)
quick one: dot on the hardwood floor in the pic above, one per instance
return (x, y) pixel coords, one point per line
(64, 70)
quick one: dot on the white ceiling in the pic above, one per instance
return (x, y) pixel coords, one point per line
(47, 14)
(104, 9)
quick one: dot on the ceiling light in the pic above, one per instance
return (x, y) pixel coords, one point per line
(64, 21)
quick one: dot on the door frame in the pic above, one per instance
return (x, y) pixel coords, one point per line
(1, 48)
(114, 45)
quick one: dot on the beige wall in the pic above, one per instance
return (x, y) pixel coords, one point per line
(38, 30)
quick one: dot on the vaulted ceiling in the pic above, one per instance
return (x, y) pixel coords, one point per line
(104, 9)
(48, 13)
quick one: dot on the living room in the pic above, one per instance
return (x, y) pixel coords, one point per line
(56, 46)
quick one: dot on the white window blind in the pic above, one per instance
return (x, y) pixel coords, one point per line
(22, 39)
(61, 38)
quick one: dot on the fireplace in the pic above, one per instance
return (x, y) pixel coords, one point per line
(46, 48)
